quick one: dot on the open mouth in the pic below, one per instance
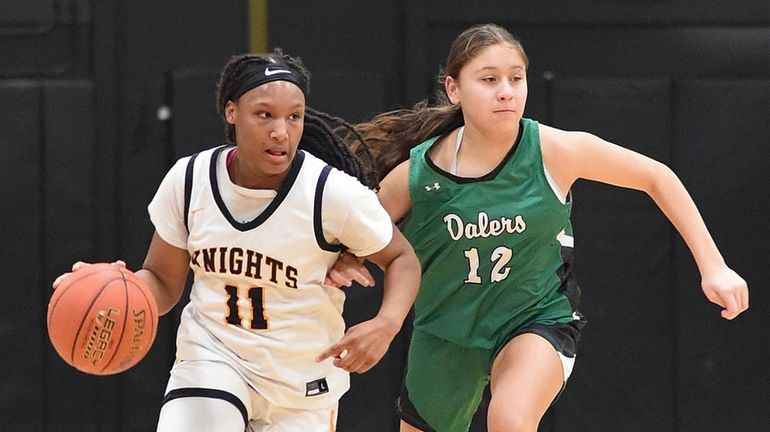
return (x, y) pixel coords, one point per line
(277, 155)
(274, 152)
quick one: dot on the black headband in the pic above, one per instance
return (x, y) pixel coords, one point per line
(264, 74)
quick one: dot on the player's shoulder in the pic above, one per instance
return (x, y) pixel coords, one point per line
(335, 178)
(343, 190)
(185, 166)
(195, 158)
(562, 142)
(550, 133)
(343, 187)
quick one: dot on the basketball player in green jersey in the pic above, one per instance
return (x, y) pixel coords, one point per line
(484, 199)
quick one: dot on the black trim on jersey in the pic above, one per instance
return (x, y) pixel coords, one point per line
(288, 182)
(568, 282)
(188, 181)
(317, 223)
(488, 176)
(408, 413)
(211, 394)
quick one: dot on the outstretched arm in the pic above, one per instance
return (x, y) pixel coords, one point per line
(573, 155)
(366, 343)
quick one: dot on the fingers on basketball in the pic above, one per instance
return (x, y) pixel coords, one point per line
(102, 319)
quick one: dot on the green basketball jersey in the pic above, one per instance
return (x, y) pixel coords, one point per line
(490, 247)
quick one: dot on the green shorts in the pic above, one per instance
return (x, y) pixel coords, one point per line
(445, 382)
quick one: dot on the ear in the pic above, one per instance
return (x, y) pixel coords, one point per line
(230, 112)
(452, 90)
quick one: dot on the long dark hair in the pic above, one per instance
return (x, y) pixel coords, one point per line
(392, 134)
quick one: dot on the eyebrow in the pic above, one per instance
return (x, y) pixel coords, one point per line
(485, 68)
(260, 103)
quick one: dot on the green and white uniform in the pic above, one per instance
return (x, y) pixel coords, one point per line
(495, 254)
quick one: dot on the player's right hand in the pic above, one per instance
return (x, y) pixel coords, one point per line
(78, 265)
(362, 346)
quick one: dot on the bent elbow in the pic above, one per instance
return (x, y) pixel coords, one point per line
(663, 179)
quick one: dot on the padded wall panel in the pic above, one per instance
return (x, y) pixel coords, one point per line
(566, 13)
(69, 178)
(195, 123)
(353, 50)
(44, 38)
(23, 334)
(26, 14)
(354, 96)
(624, 375)
(723, 157)
(76, 401)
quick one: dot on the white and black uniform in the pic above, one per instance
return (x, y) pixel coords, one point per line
(259, 257)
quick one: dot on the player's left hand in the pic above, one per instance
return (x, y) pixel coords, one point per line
(728, 290)
(362, 346)
(348, 269)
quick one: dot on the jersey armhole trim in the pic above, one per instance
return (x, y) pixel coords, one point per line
(556, 191)
(317, 207)
(188, 180)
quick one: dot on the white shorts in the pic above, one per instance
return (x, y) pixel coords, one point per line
(210, 396)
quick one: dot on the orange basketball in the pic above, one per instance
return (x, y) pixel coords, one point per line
(102, 319)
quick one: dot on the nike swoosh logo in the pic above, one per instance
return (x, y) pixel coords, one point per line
(269, 72)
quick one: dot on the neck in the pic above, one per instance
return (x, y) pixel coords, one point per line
(244, 175)
(489, 142)
(479, 153)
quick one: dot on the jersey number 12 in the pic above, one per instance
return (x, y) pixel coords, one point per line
(500, 256)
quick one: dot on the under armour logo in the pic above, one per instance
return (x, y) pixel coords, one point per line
(434, 187)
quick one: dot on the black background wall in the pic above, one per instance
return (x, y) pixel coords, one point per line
(84, 84)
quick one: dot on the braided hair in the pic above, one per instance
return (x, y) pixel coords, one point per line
(327, 137)
(339, 144)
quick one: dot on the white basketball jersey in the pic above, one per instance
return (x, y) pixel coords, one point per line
(259, 259)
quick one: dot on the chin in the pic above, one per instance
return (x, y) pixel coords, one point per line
(277, 169)
(510, 125)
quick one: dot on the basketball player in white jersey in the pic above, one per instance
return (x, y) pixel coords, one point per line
(262, 344)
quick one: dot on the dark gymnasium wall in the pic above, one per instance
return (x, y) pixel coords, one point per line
(97, 99)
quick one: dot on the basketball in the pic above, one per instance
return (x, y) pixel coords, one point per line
(102, 319)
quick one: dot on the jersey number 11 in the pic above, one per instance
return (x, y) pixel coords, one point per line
(258, 320)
